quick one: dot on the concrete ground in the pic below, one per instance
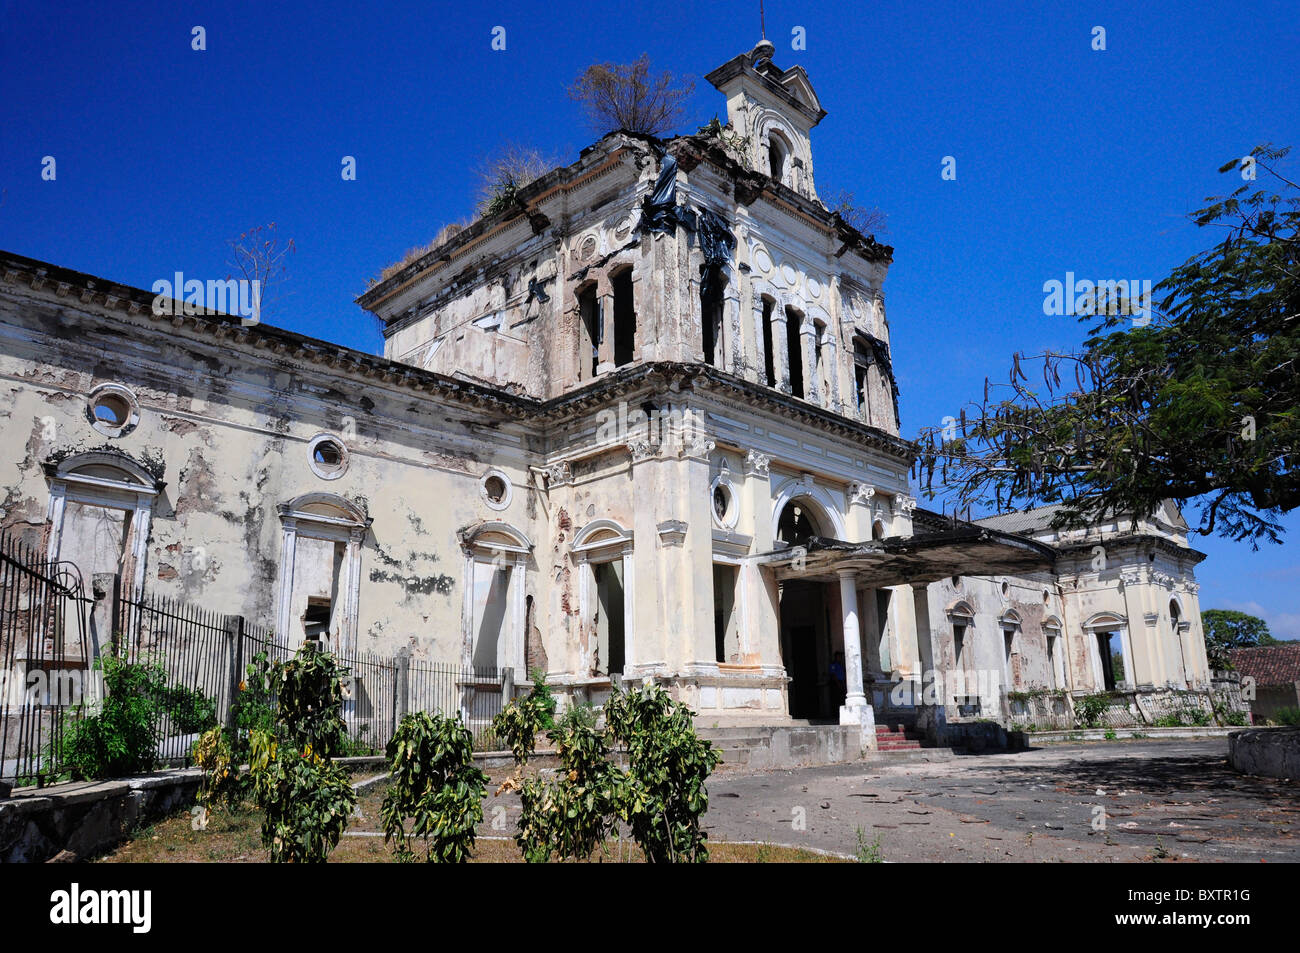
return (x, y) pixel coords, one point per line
(1117, 801)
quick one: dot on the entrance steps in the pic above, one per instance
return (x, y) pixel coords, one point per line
(798, 743)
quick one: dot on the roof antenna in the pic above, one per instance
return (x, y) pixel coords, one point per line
(762, 24)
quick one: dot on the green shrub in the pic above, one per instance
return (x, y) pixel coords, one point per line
(1089, 709)
(1287, 716)
(435, 784)
(306, 799)
(1168, 721)
(518, 723)
(663, 796)
(571, 816)
(122, 736)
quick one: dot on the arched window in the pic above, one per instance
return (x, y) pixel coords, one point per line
(603, 551)
(100, 508)
(778, 156)
(493, 613)
(320, 571)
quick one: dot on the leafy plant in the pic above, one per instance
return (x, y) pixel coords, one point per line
(1109, 734)
(306, 799)
(1287, 716)
(122, 736)
(518, 723)
(571, 816)
(222, 781)
(436, 784)
(869, 851)
(1089, 709)
(663, 795)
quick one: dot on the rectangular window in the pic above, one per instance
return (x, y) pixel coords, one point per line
(317, 569)
(726, 630)
(491, 611)
(711, 315)
(769, 359)
(589, 311)
(793, 320)
(624, 318)
(610, 651)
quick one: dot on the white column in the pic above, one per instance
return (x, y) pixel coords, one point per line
(855, 711)
(288, 546)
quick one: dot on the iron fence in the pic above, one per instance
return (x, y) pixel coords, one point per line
(48, 629)
(46, 656)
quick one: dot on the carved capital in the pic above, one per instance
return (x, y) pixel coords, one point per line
(861, 493)
(757, 464)
(559, 473)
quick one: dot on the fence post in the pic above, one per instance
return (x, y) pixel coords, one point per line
(402, 704)
(235, 633)
(507, 687)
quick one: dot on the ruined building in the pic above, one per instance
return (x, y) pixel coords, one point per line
(641, 422)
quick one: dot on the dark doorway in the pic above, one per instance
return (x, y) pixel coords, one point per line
(806, 649)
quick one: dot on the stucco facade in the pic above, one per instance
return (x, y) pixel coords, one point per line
(607, 423)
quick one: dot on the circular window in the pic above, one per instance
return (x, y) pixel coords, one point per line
(496, 489)
(328, 457)
(956, 582)
(722, 499)
(1006, 588)
(112, 410)
(1047, 597)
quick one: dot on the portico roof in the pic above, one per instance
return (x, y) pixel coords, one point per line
(964, 550)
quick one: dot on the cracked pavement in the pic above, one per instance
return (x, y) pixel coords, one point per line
(1128, 801)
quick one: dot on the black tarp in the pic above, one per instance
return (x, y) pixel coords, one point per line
(659, 209)
(880, 351)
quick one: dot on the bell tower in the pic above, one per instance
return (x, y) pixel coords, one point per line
(773, 112)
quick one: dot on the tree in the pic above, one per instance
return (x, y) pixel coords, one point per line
(1201, 404)
(626, 96)
(1226, 629)
(258, 255)
(869, 221)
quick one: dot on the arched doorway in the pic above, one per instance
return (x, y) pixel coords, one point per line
(808, 639)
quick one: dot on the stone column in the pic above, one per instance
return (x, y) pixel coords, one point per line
(855, 710)
(780, 351)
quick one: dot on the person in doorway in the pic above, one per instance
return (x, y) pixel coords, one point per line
(837, 678)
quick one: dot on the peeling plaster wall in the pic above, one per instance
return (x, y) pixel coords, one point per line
(229, 434)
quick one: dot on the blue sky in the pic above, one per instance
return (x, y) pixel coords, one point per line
(1068, 159)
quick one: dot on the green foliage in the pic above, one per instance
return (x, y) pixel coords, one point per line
(572, 815)
(191, 711)
(309, 692)
(869, 851)
(1089, 709)
(1201, 403)
(1109, 734)
(222, 781)
(435, 784)
(1168, 721)
(305, 798)
(518, 723)
(1227, 629)
(542, 697)
(1287, 716)
(121, 738)
(663, 796)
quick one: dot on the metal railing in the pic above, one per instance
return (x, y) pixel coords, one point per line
(51, 637)
(46, 654)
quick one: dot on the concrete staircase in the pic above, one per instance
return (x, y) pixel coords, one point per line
(803, 744)
(899, 736)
